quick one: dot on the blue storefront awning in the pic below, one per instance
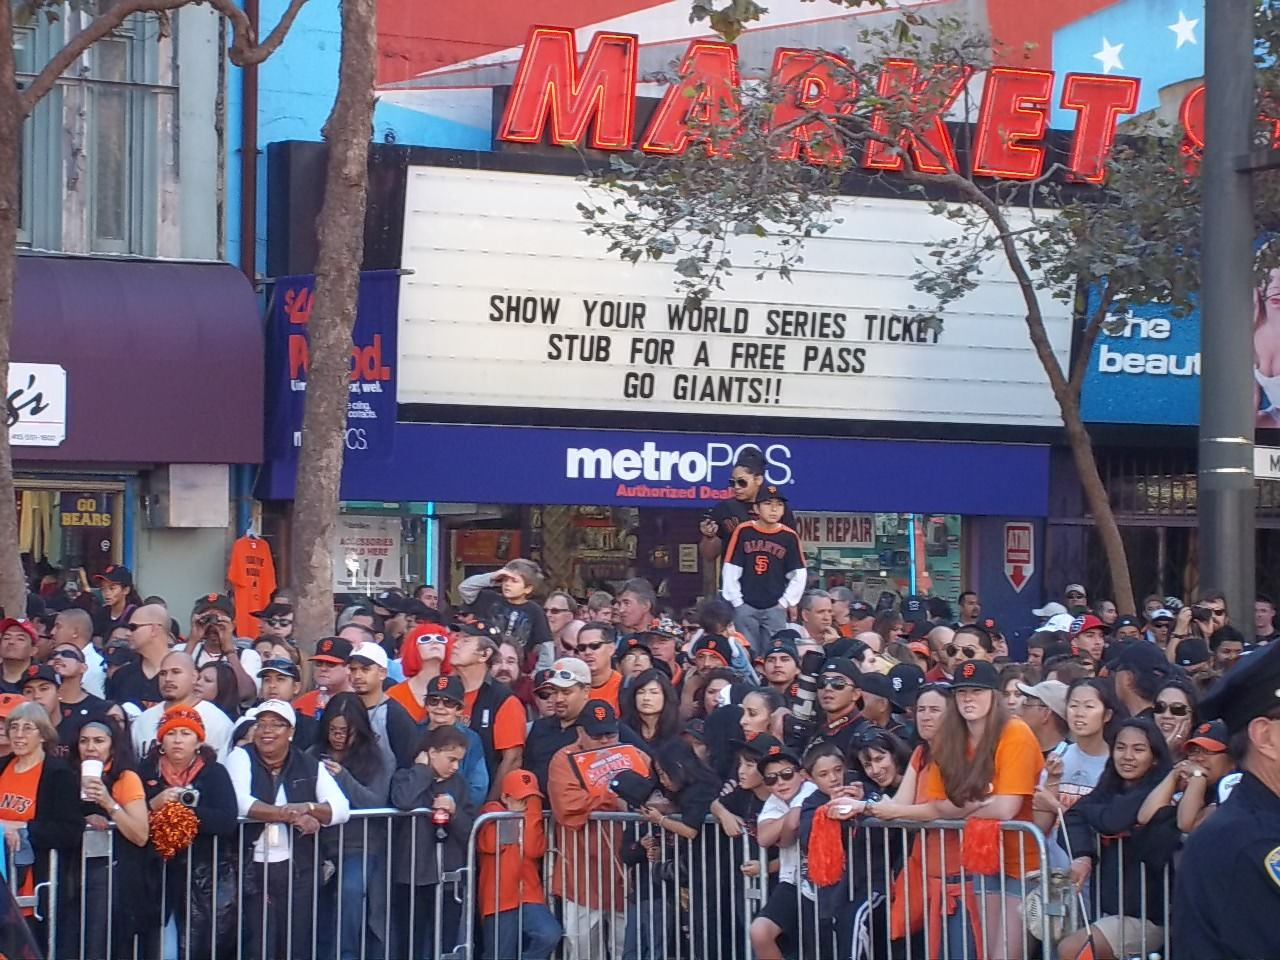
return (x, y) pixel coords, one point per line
(541, 465)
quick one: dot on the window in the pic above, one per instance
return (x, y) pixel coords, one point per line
(23, 40)
(120, 144)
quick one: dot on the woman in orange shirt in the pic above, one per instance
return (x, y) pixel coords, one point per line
(987, 765)
(40, 813)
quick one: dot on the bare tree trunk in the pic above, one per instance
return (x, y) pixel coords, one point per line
(1099, 503)
(13, 595)
(340, 229)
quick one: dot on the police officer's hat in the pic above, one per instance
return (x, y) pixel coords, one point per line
(1251, 689)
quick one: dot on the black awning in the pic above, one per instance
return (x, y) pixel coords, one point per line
(164, 361)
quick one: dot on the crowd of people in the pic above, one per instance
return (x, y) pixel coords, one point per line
(213, 790)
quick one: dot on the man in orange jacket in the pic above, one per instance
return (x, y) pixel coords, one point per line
(513, 904)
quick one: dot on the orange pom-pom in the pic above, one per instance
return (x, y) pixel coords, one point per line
(173, 828)
(826, 849)
(981, 847)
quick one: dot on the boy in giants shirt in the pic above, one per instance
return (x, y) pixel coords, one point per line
(764, 571)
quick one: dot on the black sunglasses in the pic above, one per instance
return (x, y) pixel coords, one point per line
(556, 610)
(1176, 709)
(441, 702)
(834, 683)
(587, 646)
(740, 483)
(970, 653)
(786, 776)
(543, 694)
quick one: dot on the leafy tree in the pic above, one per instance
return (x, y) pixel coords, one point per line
(1102, 249)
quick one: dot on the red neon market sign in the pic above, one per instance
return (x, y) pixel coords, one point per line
(589, 100)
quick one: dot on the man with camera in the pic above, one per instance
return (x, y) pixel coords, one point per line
(1202, 619)
(178, 688)
(212, 638)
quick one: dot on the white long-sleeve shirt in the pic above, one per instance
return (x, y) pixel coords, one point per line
(276, 842)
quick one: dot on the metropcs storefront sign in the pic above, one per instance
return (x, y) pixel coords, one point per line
(507, 302)
(674, 474)
(590, 101)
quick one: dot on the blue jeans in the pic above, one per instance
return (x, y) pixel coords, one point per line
(503, 934)
(758, 626)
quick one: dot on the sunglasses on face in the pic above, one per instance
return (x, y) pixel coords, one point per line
(441, 702)
(586, 646)
(432, 638)
(67, 655)
(543, 694)
(1176, 709)
(1217, 611)
(786, 776)
(834, 683)
(556, 610)
(740, 483)
(970, 653)
(278, 622)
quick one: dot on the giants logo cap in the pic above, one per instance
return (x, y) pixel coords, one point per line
(977, 675)
(598, 719)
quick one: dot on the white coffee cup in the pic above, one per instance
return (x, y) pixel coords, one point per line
(89, 770)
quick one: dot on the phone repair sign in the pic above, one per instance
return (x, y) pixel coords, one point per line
(1019, 554)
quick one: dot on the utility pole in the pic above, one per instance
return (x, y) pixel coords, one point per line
(1227, 500)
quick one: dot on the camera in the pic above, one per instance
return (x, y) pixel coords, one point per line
(207, 620)
(189, 797)
(806, 707)
(1203, 614)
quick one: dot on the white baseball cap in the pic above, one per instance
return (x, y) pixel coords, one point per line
(1050, 610)
(279, 708)
(370, 653)
(569, 672)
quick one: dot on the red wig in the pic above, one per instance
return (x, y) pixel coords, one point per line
(411, 658)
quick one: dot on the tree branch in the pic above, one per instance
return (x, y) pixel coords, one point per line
(244, 51)
(1088, 338)
(101, 26)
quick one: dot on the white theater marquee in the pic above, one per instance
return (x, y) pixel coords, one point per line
(507, 301)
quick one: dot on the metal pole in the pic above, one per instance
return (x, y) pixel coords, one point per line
(1226, 491)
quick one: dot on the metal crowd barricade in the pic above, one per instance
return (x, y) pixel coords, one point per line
(617, 887)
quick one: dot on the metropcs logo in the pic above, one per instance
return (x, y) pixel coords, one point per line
(696, 470)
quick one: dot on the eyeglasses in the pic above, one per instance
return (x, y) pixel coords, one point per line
(970, 653)
(834, 683)
(1176, 709)
(271, 725)
(786, 776)
(586, 646)
(740, 483)
(441, 702)
(543, 694)
(556, 610)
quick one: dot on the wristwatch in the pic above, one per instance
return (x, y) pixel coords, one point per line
(1198, 773)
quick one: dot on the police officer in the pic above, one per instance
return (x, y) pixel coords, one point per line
(1228, 885)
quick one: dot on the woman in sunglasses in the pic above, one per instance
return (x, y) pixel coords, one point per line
(745, 482)
(1174, 711)
(424, 655)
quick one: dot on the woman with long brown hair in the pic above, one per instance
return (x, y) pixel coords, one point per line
(986, 765)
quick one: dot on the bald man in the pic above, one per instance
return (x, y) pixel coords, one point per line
(942, 651)
(178, 688)
(75, 626)
(138, 682)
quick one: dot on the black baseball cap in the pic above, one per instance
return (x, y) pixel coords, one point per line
(989, 624)
(757, 746)
(214, 601)
(977, 675)
(1126, 621)
(115, 574)
(844, 667)
(40, 671)
(279, 665)
(1211, 736)
(1192, 651)
(906, 679)
(449, 686)
(860, 610)
(914, 609)
(770, 492)
(332, 650)
(479, 628)
(390, 600)
(921, 630)
(1139, 656)
(598, 719)
(273, 609)
(876, 684)
(787, 633)
(783, 645)
(633, 641)
(776, 752)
